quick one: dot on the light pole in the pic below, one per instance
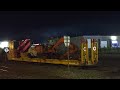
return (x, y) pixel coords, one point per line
(67, 43)
(68, 57)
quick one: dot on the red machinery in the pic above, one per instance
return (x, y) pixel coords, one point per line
(53, 49)
(45, 51)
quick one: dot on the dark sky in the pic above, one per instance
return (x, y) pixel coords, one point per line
(39, 25)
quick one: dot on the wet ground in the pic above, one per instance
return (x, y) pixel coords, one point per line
(107, 68)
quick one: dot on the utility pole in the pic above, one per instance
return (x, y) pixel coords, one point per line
(67, 43)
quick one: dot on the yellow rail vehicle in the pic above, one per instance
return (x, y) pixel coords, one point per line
(85, 58)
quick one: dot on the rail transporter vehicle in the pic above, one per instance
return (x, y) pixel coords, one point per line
(80, 55)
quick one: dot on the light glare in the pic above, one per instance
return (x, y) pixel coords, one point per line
(4, 44)
(113, 37)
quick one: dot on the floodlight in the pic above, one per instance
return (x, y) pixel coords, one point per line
(113, 37)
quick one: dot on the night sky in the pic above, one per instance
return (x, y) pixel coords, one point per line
(40, 25)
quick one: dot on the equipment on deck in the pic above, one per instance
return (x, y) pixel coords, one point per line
(44, 54)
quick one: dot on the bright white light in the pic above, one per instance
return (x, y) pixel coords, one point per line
(36, 44)
(113, 37)
(114, 42)
(67, 41)
(4, 44)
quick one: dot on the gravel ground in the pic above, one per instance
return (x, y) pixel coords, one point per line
(107, 68)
